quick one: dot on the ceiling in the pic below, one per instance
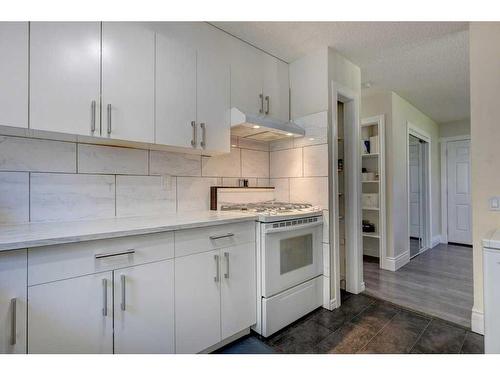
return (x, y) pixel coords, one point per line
(427, 63)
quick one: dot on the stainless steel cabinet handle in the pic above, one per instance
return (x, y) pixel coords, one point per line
(221, 236)
(194, 140)
(109, 119)
(92, 116)
(107, 255)
(104, 297)
(267, 105)
(13, 322)
(261, 110)
(217, 269)
(226, 275)
(203, 142)
(124, 282)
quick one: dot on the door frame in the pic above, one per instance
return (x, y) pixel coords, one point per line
(444, 181)
(414, 130)
(352, 180)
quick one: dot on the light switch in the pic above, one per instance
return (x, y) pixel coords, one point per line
(494, 203)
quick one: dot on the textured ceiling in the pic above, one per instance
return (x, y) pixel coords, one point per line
(425, 62)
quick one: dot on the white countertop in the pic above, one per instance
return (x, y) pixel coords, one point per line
(53, 233)
(492, 239)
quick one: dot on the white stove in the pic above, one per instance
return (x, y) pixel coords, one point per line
(272, 211)
(289, 261)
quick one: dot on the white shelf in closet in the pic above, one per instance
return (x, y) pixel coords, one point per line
(371, 182)
(370, 155)
(371, 235)
(371, 209)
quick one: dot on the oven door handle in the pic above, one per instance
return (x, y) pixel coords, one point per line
(293, 227)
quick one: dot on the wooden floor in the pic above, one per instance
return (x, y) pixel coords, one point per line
(437, 282)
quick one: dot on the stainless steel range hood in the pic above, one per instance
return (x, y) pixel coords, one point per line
(262, 128)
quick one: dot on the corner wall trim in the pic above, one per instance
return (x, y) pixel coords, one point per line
(477, 321)
(436, 240)
(395, 263)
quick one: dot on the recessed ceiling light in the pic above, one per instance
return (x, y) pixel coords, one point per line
(289, 134)
(311, 139)
(233, 145)
(256, 126)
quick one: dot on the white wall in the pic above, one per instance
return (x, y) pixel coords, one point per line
(398, 113)
(485, 138)
(42, 180)
(454, 128)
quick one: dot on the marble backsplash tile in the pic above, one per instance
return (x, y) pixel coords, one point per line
(14, 197)
(112, 160)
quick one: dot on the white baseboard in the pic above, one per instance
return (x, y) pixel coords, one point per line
(436, 240)
(395, 263)
(477, 321)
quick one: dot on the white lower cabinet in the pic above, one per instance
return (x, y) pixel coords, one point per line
(214, 296)
(144, 309)
(13, 268)
(72, 316)
(238, 289)
(197, 302)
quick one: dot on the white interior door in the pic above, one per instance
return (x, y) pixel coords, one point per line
(65, 76)
(459, 195)
(73, 316)
(144, 309)
(415, 185)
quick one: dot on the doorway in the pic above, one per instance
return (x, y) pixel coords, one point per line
(418, 193)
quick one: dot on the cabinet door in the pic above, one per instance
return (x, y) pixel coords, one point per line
(71, 316)
(276, 88)
(13, 269)
(238, 289)
(14, 74)
(128, 81)
(197, 302)
(65, 77)
(175, 91)
(246, 77)
(213, 102)
(144, 308)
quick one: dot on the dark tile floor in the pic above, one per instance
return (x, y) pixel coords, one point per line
(363, 325)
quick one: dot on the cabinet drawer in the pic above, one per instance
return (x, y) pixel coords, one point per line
(70, 260)
(192, 241)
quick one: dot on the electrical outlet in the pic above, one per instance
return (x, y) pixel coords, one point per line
(494, 203)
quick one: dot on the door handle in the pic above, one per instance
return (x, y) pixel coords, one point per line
(123, 282)
(194, 140)
(203, 142)
(13, 322)
(104, 297)
(261, 96)
(217, 269)
(107, 255)
(221, 236)
(267, 105)
(226, 275)
(92, 116)
(109, 119)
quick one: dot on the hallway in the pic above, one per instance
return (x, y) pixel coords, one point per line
(437, 282)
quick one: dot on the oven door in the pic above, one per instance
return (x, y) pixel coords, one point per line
(291, 254)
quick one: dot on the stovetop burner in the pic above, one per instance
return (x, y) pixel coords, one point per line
(272, 208)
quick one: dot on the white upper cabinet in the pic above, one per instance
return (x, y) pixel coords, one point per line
(14, 74)
(175, 91)
(276, 88)
(213, 103)
(259, 82)
(128, 59)
(246, 77)
(65, 77)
